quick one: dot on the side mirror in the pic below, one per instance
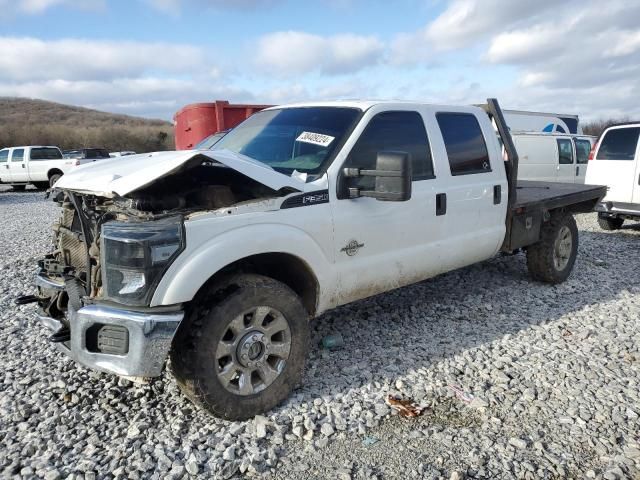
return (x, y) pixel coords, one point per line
(392, 174)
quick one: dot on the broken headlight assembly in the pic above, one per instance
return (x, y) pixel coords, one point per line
(135, 255)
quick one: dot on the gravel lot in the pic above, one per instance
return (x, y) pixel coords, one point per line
(555, 374)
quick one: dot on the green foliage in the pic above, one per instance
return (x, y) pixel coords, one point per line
(36, 122)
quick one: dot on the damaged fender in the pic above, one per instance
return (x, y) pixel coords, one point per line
(203, 259)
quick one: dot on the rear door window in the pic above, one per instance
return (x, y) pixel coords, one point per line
(565, 151)
(463, 139)
(583, 148)
(619, 144)
(45, 153)
(17, 155)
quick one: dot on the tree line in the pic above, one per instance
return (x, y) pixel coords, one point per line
(115, 138)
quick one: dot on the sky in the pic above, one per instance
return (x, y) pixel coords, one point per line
(151, 57)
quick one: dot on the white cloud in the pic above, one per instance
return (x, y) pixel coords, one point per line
(591, 48)
(586, 57)
(175, 6)
(130, 77)
(147, 96)
(464, 23)
(291, 52)
(69, 59)
(9, 8)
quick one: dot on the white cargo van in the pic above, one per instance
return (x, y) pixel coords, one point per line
(552, 158)
(615, 162)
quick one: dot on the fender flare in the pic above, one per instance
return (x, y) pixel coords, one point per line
(193, 268)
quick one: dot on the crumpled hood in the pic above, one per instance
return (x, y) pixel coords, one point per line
(123, 175)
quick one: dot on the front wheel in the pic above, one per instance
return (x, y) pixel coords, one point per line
(610, 223)
(551, 260)
(53, 179)
(242, 350)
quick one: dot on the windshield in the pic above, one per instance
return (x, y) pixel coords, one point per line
(210, 141)
(291, 139)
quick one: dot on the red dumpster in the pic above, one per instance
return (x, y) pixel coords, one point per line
(197, 121)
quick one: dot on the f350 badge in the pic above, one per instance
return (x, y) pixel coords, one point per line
(352, 248)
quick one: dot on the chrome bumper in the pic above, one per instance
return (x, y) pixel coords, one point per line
(150, 336)
(618, 208)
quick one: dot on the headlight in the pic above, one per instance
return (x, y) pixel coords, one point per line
(135, 255)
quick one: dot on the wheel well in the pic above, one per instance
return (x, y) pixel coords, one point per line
(283, 267)
(52, 172)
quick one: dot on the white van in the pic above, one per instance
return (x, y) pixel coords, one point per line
(615, 162)
(552, 158)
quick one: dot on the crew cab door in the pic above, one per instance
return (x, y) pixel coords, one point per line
(566, 161)
(475, 181)
(4, 165)
(18, 171)
(381, 245)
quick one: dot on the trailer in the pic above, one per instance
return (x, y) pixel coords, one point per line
(195, 122)
(523, 121)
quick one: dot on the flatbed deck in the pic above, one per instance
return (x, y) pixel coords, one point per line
(533, 203)
(550, 195)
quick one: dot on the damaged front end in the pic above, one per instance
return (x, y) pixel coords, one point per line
(110, 252)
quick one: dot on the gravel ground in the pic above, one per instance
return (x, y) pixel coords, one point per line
(554, 371)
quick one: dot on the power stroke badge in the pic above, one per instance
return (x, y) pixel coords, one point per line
(352, 248)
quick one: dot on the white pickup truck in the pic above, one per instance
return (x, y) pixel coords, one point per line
(219, 258)
(38, 165)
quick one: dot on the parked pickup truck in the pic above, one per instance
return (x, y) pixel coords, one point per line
(40, 166)
(219, 258)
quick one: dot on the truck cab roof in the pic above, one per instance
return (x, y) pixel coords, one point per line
(367, 104)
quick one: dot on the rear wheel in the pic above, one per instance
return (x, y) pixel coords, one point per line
(551, 260)
(242, 350)
(18, 188)
(610, 223)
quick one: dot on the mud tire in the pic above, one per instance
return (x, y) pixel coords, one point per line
(610, 223)
(192, 355)
(540, 256)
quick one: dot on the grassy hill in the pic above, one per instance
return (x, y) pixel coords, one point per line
(26, 121)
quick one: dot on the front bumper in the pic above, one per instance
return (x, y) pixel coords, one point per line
(149, 339)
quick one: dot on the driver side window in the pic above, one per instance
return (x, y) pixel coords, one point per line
(399, 131)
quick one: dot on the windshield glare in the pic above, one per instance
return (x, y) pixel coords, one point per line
(289, 139)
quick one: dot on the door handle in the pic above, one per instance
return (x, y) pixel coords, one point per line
(497, 194)
(638, 179)
(577, 171)
(23, 165)
(441, 204)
